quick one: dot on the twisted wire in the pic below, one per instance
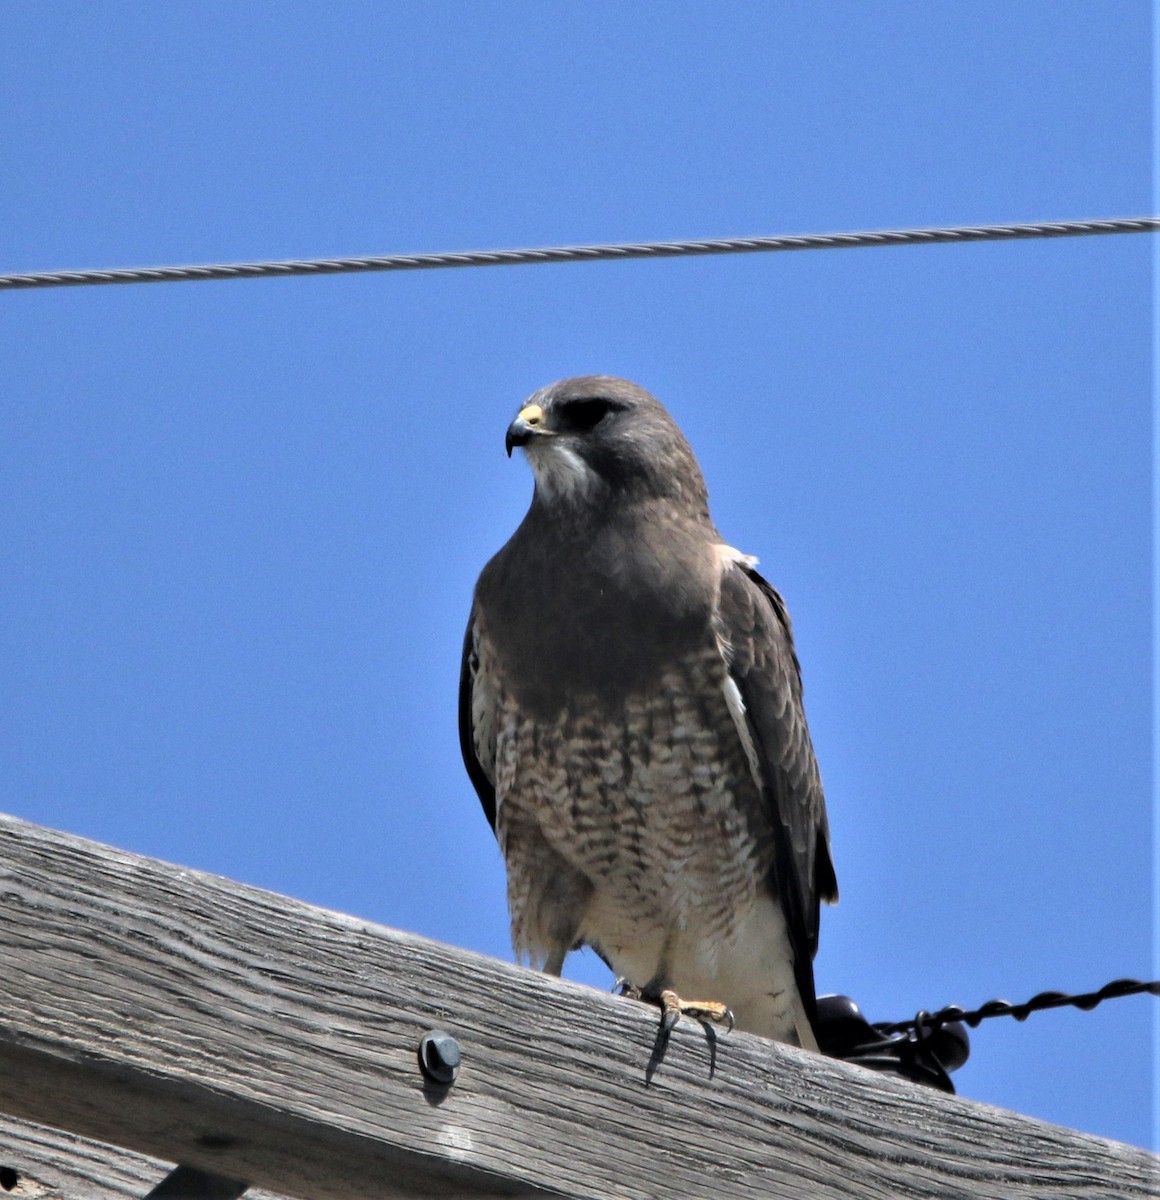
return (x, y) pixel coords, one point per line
(564, 254)
(1004, 1008)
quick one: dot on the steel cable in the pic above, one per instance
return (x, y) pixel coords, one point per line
(566, 254)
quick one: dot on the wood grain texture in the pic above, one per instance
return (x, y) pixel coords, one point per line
(40, 1163)
(200, 1021)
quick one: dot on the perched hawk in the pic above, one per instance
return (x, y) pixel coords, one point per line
(631, 717)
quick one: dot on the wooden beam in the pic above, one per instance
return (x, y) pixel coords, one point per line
(40, 1163)
(203, 1022)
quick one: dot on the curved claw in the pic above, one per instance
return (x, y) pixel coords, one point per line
(670, 1012)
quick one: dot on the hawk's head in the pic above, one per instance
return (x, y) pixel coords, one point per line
(596, 439)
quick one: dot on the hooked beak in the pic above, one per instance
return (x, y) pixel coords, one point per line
(530, 422)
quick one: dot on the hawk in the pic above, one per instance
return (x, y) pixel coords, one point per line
(631, 716)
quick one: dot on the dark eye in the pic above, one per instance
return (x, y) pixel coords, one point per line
(585, 414)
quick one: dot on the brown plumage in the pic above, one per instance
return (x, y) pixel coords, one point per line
(631, 717)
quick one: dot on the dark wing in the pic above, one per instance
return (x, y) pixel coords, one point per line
(755, 629)
(477, 721)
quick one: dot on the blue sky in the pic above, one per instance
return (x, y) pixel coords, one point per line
(241, 521)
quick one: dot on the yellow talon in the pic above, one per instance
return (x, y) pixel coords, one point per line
(673, 1008)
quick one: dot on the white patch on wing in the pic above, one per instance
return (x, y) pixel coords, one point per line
(560, 472)
(731, 556)
(737, 711)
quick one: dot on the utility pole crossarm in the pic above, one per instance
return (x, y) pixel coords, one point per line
(203, 1022)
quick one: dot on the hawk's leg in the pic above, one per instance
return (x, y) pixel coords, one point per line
(673, 1007)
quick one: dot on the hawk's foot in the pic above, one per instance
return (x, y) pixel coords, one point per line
(673, 1007)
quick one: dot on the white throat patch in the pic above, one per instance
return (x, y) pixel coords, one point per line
(561, 474)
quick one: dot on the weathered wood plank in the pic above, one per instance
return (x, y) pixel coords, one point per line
(200, 1021)
(40, 1163)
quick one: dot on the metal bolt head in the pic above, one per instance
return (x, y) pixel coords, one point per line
(439, 1057)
